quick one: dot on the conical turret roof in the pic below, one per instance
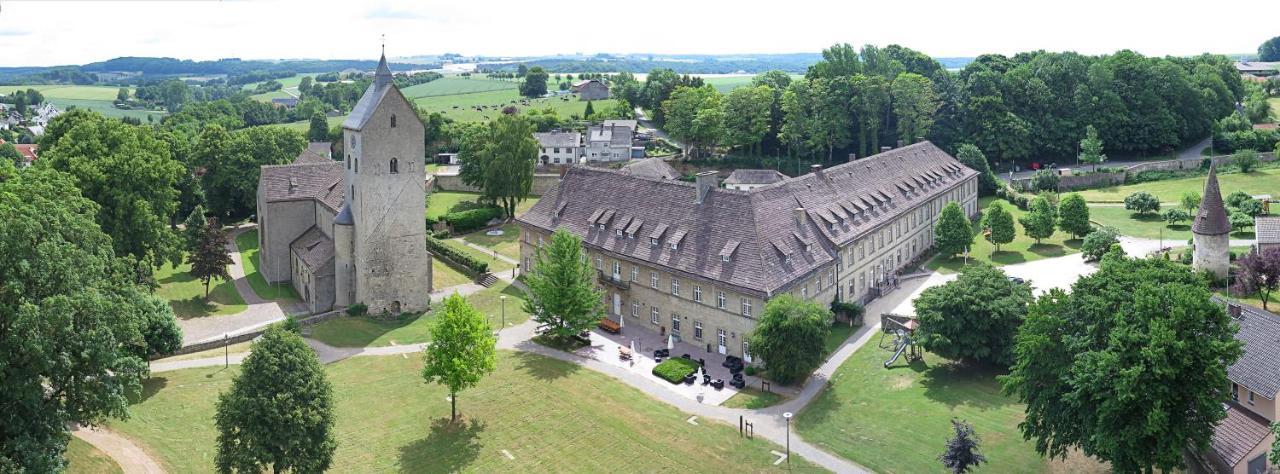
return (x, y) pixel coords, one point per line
(382, 75)
(1211, 219)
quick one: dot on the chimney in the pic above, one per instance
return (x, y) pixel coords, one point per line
(852, 157)
(919, 139)
(899, 143)
(799, 215)
(885, 148)
(705, 181)
(816, 169)
(1233, 309)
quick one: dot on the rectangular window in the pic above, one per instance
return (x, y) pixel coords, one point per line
(635, 309)
(831, 278)
(618, 232)
(675, 286)
(720, 300)
(675, 245)
(675, 324)
(599, 263)
(720, 339)
(697, 330)
(1251, 397)
(617, 271)
(804, 291)
(697, 293)
(653, 315)
(862, 281)
(635, 273)
(653, 242)
(653, 279)
(746, 307)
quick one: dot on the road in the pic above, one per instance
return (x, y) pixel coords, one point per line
(1192, 151)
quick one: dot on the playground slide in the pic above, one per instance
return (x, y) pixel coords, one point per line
(901, 347)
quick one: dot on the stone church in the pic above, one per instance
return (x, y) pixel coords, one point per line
(353, 231)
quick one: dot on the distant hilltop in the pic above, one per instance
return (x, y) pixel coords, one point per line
(170, 67)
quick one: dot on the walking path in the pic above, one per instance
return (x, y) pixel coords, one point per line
(259, 313)
(131, 458)
(490, 252)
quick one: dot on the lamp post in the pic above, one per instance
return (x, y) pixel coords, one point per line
(788, 416)
(503, 299)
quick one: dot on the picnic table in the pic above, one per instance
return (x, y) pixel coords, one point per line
(624, 352)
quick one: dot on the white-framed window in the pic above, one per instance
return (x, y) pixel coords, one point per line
(635, 309)
(746, 307)
(675, 324)
(746, 350)
(675, 286)
(635, 273)
(724, 258)
(617, 271)
(653, 279)
(720, 337)
(618, 232)
(675, 245)
(653, 315)
(720, 300)
(653, 241)
(831, 278)
(599, 263)
(697, 293)
(697, 330)
(804, 292)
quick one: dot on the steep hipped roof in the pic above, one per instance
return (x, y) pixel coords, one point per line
(302, 181)
(1212, 217)
(775, 245)
(754, 177)
(655, 168)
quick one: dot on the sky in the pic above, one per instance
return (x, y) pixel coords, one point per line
(54, 32)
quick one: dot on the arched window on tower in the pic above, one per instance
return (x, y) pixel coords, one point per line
(393, 121)
(395, 165)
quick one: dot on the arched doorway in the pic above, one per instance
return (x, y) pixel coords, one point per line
(395, 307)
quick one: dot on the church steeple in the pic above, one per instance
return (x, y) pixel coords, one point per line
(382, 76)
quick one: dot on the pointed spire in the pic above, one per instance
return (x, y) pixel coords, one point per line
(1211, 219)
(382, 76)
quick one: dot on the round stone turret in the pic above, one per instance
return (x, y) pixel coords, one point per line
(1211, 230)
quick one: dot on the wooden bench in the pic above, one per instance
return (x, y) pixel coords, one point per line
(610, 326)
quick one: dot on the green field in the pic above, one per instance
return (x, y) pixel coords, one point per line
(185, 293)
(247, 242)
(413, 329)
(898, 420)
(1022, 249)
(1265, 181)
(459, 106)
(83, 458)
(456, 85)
(443, 276)
(752, 399)
(1147, 226)
(549, 415)
(96, 98)
(304, 125)
(496, 264)
(440, 203)
(507, 244)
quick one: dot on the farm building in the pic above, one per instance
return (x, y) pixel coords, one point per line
(591, 89)
(1258, 68)
(286, 102)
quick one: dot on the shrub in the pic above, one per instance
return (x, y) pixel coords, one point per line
(848, 309)
(1045, 180)
(456, 256)
(1174, 216)
(463, 221)
(358, 309)
(1246, 160)
(750, 370)
(1142, 202)
(1098, 242)
(675, 369)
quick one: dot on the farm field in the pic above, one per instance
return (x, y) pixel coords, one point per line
(459, 106)
(1022, 249)
(549, 415)
(453, 85)
(1263, 181)
(185, 293)
(899, 419)
(96, 98)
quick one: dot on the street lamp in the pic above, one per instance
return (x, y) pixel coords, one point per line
(788, 416)
(503, 298)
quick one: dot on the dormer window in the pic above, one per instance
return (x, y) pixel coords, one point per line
(653, 241)
(395, 163)
(724, 258)
(618, 232)
(675, 245)
(393, 121)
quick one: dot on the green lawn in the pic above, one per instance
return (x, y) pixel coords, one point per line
(549, 415)
(83, 458)
(495, 264)
(236, 348)
(1148, 226)
(507, 244)
(1022, 249)
(443, 276)
(898, 420)
(440, 203)
(1265, 181)
(247, 242)
(752, 399)
(366, 331)
(459, 107)
(304, 125)
(185, 293)
(839, 333)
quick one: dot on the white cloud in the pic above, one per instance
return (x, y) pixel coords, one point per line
(68, 32)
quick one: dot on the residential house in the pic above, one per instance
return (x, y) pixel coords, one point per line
(700, 262)
(559, 148)
(746, 180)
(608, 143)
(590, 89)
(1242, 440)
(1266, 230)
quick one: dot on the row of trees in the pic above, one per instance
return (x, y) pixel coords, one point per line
(1043, 218)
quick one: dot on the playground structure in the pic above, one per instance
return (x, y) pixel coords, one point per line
(903, 330)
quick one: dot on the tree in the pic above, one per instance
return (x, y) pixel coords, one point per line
(76, 331)
(233, 160)
(1174, 215)
(1269, 50)
(535, 83)
(1073, 215)
(194, 228)
(210, 257)
(462, 349)
(1247, 160)
(1087, 362)
(1239, 221)
(318, 129)
(1091, 148)
(10, 154)
(962, 449)
(122, 95)
(747, 116)
(973, 317)
(997, 222)
(1259, 274)
(1191, 201)
(954, 233)
(1237, 199)
(304, 85)
(1142, 202)
(562, 295)
(505, 161)
(1045, 180)
(694, 116)
(1039, 222)
(278, 413)
(914, 103)
(789, 337)
(589, 111)
(972, 157)
(1098, 242)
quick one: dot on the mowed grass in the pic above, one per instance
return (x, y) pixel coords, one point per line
(899, 419)
(440, 203)
(363, 331)
(460, 107)
(443, 276)
(1022, 249)
(496, 264)
(236, 348)
(83, 458)
(1265, 181)
(752, 399)
(453, 85)
(1148, 226)
(548, 414)
(507, 244)
(185, 293)
(247, 242)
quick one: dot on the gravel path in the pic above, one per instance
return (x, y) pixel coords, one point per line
(131, 458)
(258, 314)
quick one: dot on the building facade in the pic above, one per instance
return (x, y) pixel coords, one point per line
(353, 231)
(1241, 441)
(591, 89)
(559, 148)
(608, 142)
(699, 262)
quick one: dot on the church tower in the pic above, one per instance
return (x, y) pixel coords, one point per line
(381, 258)
(1211, 230)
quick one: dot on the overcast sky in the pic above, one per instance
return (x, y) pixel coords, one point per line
(50, 32)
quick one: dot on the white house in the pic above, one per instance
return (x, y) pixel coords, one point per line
(609, 142)
(559, 148)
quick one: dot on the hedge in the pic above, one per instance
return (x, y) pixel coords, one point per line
(675, 369)
(461, 258)
(463, 221)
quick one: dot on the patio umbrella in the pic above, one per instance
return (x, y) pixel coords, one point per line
(622, 322)
(671, 342)
(633, 346)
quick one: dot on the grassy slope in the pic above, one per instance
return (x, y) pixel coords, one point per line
(752, 399)
(1265, 181)
(1022, 249)
(898, 420)
(185, 293)
(248, 244)
(495, 264)
(83, 458)
(443, 202)
(444, 276)
(365, 331)
(507, 244)
(550, 415)
(1149, 226)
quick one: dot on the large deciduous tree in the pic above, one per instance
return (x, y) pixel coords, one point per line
(954, 233)
(562, 296)
(318, 128)
(210, 257)
(506, 160)
(232, 162)
(462, 349)
(972, 157)
(1269, 50)
(535, 83)
(1073, 215)
(789, 337)
(694, 117)
(278, 413)
(997, 224)
(914, 103)
(1259, 274)
(1040, 219)
(747, 116)
(75, 333)
(1130, 367)
(974, 317)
